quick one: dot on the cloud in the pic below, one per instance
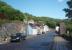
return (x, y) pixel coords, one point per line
(60, 0)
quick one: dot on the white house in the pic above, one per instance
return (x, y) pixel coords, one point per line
(36, 28)
(32, 30)
(46, 28)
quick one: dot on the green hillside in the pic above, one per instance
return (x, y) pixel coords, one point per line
(8, 13)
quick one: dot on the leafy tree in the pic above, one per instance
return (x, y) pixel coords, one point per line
(7, 12)
(69, 9)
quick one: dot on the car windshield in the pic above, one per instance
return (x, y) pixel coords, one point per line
(13, 37)
(18, 34)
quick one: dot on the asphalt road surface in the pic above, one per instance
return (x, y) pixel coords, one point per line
(48, 41)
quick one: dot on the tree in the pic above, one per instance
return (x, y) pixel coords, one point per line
(68, 10)
(9, 13)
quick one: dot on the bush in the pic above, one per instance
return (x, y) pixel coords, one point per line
(51, 24)
(69, 27)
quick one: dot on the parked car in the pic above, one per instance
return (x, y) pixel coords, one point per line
(23, 36)
(15, 38)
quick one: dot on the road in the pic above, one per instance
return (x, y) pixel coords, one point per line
(48, 41)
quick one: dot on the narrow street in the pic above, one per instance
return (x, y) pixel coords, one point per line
(48, 41)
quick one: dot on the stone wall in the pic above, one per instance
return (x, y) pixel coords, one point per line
(62, 28)
(11, 28)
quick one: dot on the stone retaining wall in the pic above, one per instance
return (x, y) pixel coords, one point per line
(11, 28)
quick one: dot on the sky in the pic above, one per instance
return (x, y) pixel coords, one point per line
(48, 8)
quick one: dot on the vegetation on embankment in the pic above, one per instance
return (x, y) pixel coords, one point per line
(9, 13)
(68, 27)
(68, 24)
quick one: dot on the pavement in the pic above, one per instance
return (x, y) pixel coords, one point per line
(48, 41)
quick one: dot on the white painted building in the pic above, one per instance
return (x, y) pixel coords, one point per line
(36, 28)
(46, 28)
(32, 30)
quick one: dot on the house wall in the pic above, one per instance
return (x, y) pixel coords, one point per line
(35, 31)
(12, 28)
(31, 30)
(46, 28)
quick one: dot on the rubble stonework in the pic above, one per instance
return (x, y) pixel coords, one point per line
(11, 28)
